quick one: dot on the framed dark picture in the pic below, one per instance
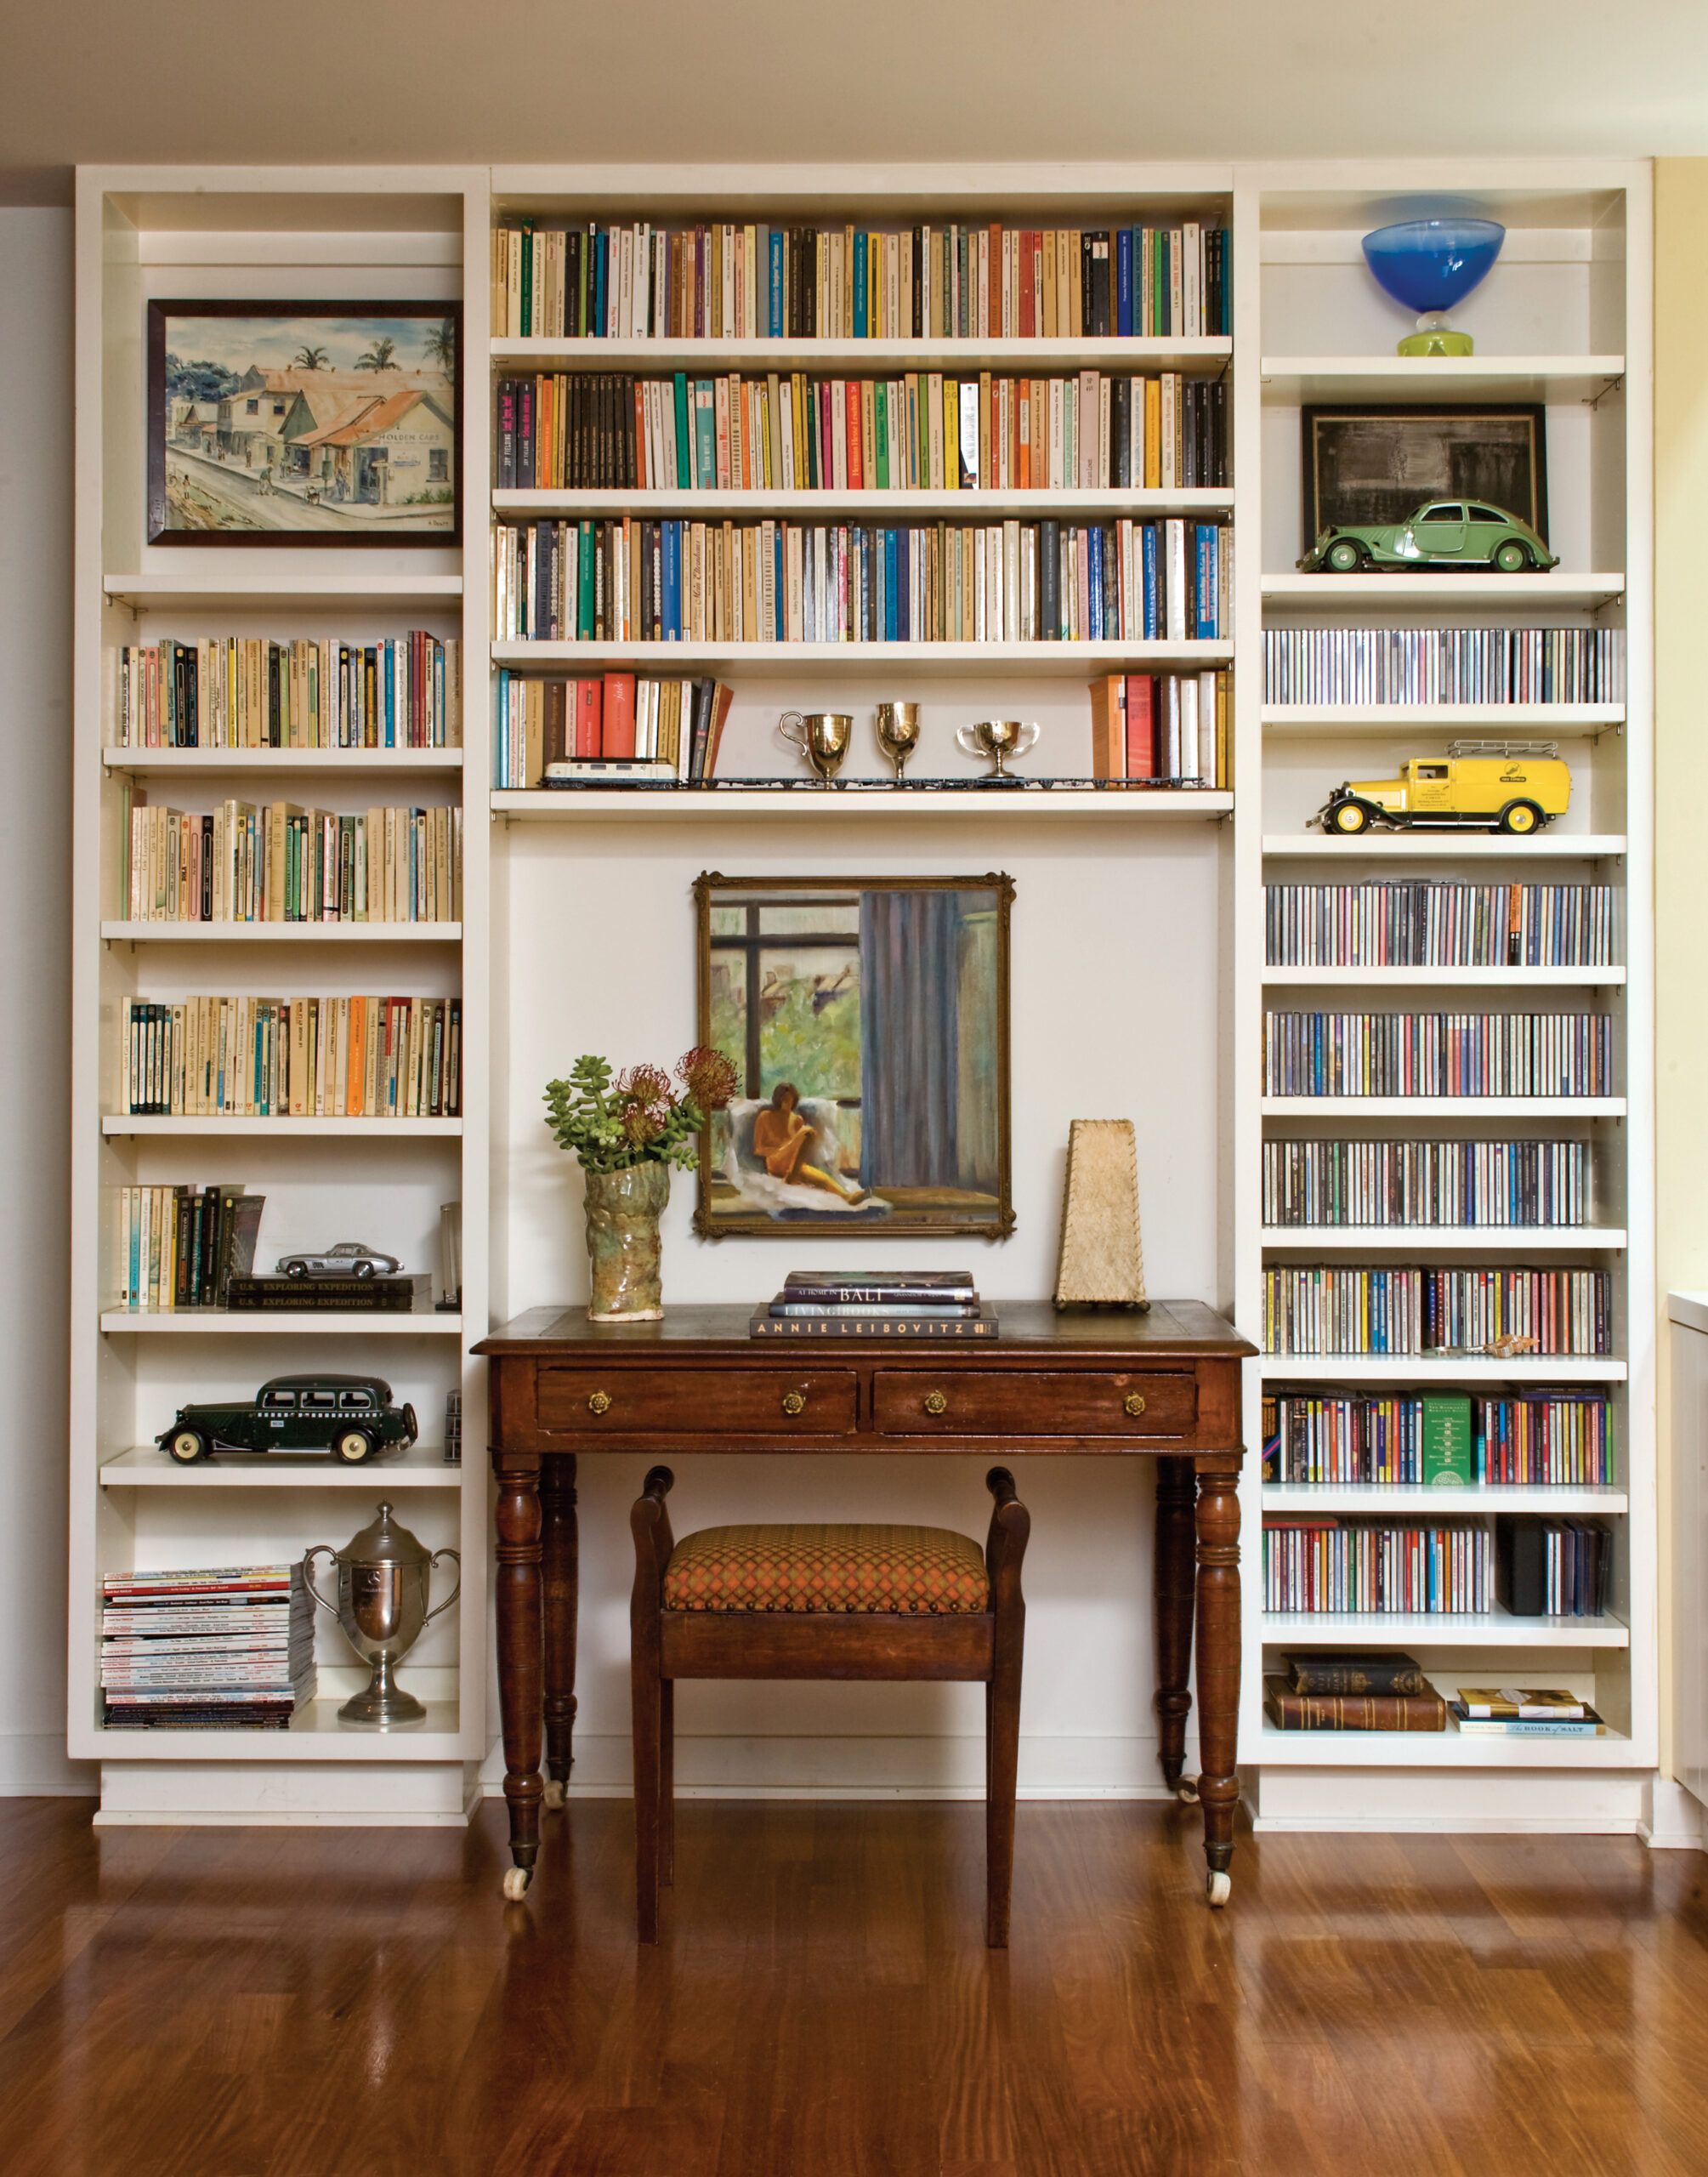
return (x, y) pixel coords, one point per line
(317, 424)
(1369, 465)
(867, 1019)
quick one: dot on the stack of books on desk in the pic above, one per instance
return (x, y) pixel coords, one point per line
(224, 1649)
(876, 1304)
(1328, 1691)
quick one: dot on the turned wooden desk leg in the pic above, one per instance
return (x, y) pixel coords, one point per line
(1177, 1488)
(1218, 1662)
(520, 1657)
(559, 1552)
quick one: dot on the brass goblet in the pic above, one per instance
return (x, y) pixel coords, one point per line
(822, 737)
(897, 733)
(997, 739)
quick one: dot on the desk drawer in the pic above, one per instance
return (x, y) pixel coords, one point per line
(956, 1401)
(699, 1402)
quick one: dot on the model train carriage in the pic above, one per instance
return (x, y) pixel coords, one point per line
(1500, 786)
(346, 1418)
(1440, 533)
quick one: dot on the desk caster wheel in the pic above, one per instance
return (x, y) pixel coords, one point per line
(1186, 1791)
(1218, 1888)
(554, 1800)
(516, 1881)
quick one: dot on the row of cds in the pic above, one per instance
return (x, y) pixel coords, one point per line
(1417, 923)
(1420, 1183)
(1336, 1308)
(1438, 1054)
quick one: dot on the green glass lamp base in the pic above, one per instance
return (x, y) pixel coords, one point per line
(1439, 340)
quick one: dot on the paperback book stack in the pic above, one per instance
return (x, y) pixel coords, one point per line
(876, 1304)
(1330, 1691)
(229, 1649)
(1524, 1712)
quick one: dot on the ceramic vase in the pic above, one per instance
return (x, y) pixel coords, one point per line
(623, 1210)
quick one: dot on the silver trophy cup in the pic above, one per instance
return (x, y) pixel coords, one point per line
(383, 1575)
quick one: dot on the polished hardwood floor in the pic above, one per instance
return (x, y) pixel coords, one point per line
(360, 2003)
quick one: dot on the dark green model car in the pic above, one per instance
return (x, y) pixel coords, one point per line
(1440, 533)
(348, 1418)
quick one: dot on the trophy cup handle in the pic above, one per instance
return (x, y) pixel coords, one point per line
(320, 1549)
(799, 737)
(455, 1592)
(969, 747)
(1026, 738)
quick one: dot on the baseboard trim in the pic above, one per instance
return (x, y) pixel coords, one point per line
(280, 1818)
(1446, 1825)
(1677, 1821)
(35, 1766)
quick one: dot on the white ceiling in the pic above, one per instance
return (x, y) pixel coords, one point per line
(353, 81)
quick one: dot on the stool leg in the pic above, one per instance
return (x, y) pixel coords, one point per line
(647, 1688)
(1002, 1768)
(666, 1782)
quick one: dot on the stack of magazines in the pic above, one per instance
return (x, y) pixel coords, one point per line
(223, 1650)
(876, 1304)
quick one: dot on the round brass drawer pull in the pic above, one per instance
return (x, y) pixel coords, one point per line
(1133, 1403)
(935, 1402)
(793, 1402)
(598, 1402)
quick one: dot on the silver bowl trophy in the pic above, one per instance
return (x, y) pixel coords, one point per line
(897, 733)
(822, 737)
(382, 1575)
(996, 739)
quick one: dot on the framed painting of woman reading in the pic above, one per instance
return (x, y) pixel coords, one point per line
(867, 1019)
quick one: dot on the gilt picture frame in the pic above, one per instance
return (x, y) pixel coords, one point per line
(1374, 464)
(868, 1020)
(310, 424)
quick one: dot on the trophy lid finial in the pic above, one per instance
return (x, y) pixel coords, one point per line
(383, 1541)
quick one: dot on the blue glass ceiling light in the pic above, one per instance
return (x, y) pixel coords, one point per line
(1428, 266)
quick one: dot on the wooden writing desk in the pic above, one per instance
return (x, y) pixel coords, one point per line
(1165, 1384)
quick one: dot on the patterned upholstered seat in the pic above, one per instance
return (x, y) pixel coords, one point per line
(919, 1572)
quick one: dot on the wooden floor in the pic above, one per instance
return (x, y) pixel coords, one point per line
(360, 2003)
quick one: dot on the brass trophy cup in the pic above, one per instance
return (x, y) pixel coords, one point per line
(897, 733)
(822, 737)
(382, 1608)
(996, 739)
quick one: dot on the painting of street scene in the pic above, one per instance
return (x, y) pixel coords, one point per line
(332, 424)
(867, 1023)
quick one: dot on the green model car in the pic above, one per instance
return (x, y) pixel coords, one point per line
(349, 1417)
(1440, 533)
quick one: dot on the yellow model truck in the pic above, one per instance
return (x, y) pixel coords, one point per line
(1492, 786)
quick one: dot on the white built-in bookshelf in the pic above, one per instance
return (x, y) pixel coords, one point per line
(1563, 321)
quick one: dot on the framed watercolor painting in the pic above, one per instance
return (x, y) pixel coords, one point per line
(311, 423)
(1375, 466)
(867, 1019)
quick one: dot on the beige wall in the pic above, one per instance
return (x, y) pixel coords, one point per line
(1681, 833)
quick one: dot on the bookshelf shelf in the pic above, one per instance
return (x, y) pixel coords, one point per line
(1289, 381)
(1491, 590)
(1493, 1629)
(910, 805)
(875, 506)
(1326, 1497)
(179, 762)
(1075, 660)
(282, 933)
(315, 1735)
(371, 1130)
(1557, 720)
(1448, 1750)
(871, 358)
(1444, 978)
(1437, 1239)
(1428, 1110)
(208, 590)
(1441, 846)
(145, 1466)
(1420, 1369)
(274, 1322)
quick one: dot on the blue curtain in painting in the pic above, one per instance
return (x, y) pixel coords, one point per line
(908, 976)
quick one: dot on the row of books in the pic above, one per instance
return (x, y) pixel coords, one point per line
(1346, 1308)
(1390, 1692)
(247, 691)
(1439, 923)
(273, 861)
(1418, 1183)
(920, 430)
(1321, 1563)
(921, 1304)
(747, 280)
(637, 580)
(1164, 729)
(1438, 1054)
(296, 1057)
(179, 1247)
(387, 1294)
(606, 719)
(1443, 665)
(227, 1649)
(1539, 1439)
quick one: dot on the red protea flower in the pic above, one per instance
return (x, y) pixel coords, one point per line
(645, 1122)
(709, 1077)
(644, 1084)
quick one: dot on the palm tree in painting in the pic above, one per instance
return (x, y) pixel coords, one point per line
(309, 359)
(379, 357)
(441, 346)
